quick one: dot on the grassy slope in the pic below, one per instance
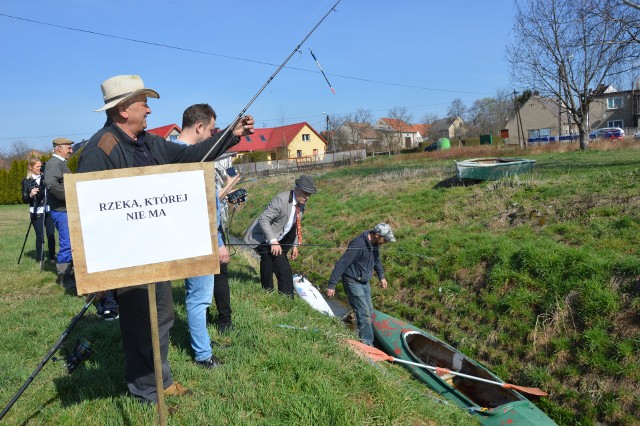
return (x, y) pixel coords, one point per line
(536, 276)
(273, 375)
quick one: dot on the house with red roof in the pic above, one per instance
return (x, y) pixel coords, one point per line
(298, 140)
(169, 132)
(405, 135)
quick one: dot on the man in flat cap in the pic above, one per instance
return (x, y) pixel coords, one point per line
(54, 180)
(355, 268)
(123, 143)
(278, 230)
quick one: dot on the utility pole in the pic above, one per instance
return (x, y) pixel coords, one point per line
(326, 132)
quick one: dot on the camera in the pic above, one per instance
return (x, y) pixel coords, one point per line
(237, 196)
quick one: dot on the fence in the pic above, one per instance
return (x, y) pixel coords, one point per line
(268, 168)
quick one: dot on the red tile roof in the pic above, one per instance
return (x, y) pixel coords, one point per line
(270, 139)
(164, 130)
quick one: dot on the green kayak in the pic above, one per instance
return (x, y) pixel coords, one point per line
(490, 404)
(492, 168)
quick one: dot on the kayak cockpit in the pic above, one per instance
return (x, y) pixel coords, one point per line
(433, 352)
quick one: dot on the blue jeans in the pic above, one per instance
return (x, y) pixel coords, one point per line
(360, 300)
(62, 225)
(199, 294)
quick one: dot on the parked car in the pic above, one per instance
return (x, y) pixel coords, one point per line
(607, 133)
(636, 134)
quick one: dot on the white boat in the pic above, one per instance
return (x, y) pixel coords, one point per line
(311, 295)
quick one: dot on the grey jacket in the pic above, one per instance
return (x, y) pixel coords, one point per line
(272, 220)
(54, 180)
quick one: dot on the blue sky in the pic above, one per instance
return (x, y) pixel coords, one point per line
(418, 54)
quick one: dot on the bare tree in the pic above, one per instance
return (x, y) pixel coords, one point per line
(429, 118)
(457, 109)
(567, 48)
(357, 125)
(18, 150)
(489, 115)
(401, 114)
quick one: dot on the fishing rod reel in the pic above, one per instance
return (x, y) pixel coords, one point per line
(72, 360)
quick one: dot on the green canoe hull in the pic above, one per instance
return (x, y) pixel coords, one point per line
(492, 405)
(492, 168)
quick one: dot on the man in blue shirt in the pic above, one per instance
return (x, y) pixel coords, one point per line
(198, 125)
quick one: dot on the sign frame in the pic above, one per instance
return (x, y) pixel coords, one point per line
(87, 282)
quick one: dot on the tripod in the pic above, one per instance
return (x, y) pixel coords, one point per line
(25, 240)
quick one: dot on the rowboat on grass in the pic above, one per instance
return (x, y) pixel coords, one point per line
(492, 168)
(489, 403)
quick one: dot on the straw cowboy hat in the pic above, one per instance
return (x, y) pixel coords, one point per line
(122, 87)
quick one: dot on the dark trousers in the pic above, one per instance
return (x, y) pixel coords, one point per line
(279, 265)
(39, 227)
(136, 337)
(222, 295)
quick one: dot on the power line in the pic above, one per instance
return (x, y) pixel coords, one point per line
(235, 58)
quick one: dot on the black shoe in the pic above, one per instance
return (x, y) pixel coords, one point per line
(224, 327)
(210, 363)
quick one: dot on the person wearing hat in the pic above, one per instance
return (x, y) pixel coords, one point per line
(54, 181)
(122, 143)
(277, 230)
(355, 267)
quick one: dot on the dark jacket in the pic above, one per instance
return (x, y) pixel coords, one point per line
(358, 262)
(111, 148)
(54, 179)
(38, 201)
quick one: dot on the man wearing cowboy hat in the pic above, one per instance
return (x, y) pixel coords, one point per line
(277, 230)
(54, 180)
(123, 143)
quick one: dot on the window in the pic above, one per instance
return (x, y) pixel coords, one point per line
(262, 138)
(173, 138)
(315, 152)
(614, 103)
(306, 137)
(615, 123)
(248, 138)
(539, 133)
(299, 153)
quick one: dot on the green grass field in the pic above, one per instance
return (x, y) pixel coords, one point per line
(273, 375)
(536, 276)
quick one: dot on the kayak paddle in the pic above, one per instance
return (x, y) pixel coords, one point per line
(377, 355)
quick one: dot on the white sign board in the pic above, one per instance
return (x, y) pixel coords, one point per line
(148, 224)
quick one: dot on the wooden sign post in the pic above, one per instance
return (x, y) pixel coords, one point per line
(143, 225)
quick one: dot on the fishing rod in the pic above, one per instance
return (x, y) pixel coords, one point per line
(86, 351)
(240, 116)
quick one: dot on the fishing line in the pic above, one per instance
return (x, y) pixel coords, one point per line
(330, 246)
(244, 110)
